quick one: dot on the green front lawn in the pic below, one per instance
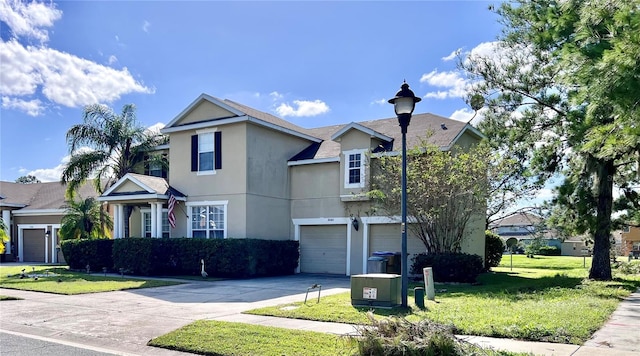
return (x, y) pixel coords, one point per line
(542, 299)
(60, 280)
(208, 337)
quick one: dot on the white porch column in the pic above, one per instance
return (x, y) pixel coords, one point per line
(365, 244)
(159, 220)
(6, 217)
(153, 220)
(119, 221)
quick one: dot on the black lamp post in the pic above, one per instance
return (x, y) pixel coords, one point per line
(404, 102)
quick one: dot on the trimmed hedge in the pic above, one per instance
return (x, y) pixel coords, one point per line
(549, 251)
(449, 267)
(236, 258)
(493, 247)
(95, 253)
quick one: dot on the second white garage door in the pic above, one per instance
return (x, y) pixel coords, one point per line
(323, 249)
(387, 237)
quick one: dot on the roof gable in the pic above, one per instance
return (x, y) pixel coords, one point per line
(138, 183)
(356, 126)
(204, 108)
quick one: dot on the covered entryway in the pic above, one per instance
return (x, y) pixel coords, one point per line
(323, 249)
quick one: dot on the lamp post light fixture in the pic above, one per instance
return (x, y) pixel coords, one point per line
(403, 103)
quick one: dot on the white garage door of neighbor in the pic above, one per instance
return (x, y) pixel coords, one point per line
(387, 237)
(323, 249)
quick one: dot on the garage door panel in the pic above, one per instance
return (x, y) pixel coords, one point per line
(33, 245)
(387, 237)
(323, 249)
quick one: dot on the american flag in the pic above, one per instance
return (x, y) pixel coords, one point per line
(172, 205)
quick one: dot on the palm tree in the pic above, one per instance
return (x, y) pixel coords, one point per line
(85, 219)
(105, 147)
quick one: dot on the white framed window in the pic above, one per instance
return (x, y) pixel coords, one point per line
(208, 220)
(146, 223)
(626, 228)
(354, 168)
(205, 152)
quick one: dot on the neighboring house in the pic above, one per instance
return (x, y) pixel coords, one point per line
(523, 228)
(32, 213)
(631, 241)
(241, 173)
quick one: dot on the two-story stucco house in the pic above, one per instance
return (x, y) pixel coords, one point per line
(237, 172)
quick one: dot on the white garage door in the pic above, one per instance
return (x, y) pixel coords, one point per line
(387, 237)
(323, 249)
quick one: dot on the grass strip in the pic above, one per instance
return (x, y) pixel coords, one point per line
(208, 337)
(541, 299)
(59, 280)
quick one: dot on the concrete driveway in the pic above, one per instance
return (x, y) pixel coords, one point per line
(123, 322)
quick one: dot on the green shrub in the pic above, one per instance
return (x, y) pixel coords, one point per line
(235, 258)
(549, 251)
(95, 253)
(449, 267)
(493, 249)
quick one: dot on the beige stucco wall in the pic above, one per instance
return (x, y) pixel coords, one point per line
(466, 140)
(268, 181)
(474, 240)
(128, 187)
(315, 191)
(230, 180)
(205, 111)
(354, 140)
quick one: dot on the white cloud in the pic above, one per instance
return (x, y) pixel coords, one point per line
(28, 19)
(302, 108)
(156, 128)
(276, 96)
(380, 101)
(31, 107)
(146, 26)
(112, 59)
(463, 115)
(468, 115)
(62, 77)
(48, 174)
(452, 81)
(452, 55)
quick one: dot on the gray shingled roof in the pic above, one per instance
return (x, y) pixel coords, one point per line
(39, 196)
(266, 117)
(519, 219)
(420, 126)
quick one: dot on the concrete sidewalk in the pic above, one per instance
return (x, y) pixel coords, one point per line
(123, 322)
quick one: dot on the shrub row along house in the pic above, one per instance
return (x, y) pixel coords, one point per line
(236, 172)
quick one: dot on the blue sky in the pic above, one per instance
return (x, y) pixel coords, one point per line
(314, 63)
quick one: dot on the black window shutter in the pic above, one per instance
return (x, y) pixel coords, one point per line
(146, 165)
(217, 141)
(194, 153)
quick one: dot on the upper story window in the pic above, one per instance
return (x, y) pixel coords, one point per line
(354, 169)
(208, 220)
(154, 167)
(626, 228)
(206, 152)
